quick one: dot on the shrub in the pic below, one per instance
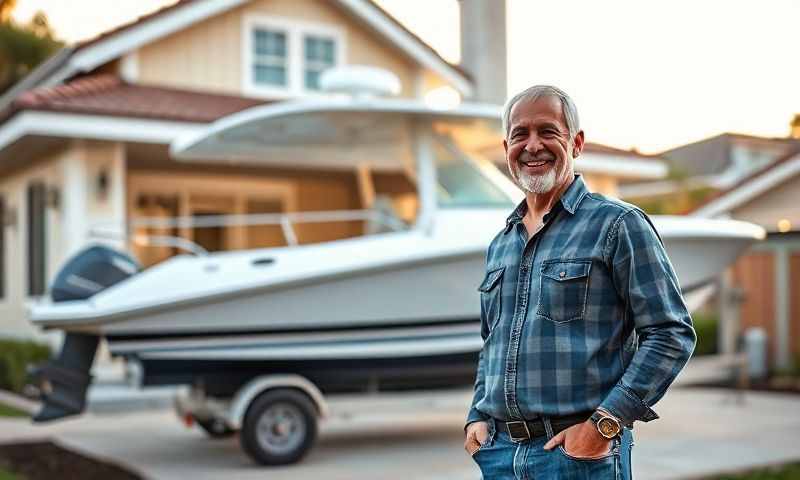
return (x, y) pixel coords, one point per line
(15, 356)
(706, 325)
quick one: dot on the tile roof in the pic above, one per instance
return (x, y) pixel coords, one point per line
(107, 94)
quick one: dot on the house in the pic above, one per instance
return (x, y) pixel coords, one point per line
(84, 138)
(712, 164)
(763, 288)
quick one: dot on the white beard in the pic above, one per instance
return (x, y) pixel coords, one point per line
(534, 184)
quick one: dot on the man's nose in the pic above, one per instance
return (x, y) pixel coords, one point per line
(534, 144)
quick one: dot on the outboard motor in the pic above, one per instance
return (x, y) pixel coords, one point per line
(63, 382)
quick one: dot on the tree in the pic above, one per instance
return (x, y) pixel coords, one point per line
(23, 47)
(6, 7)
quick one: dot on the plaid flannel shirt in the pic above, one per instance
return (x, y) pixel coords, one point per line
(587, 313)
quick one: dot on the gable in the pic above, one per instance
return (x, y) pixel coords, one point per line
(765, 187)
(778, 204)
(120, 45)
(217, 53)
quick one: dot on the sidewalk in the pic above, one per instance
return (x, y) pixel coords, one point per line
(702, 431)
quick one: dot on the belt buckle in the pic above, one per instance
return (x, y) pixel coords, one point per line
(518, 431)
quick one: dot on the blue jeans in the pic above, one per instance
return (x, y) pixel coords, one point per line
(500, 459)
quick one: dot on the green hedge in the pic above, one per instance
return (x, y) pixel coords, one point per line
(15, 356)
(706, 325)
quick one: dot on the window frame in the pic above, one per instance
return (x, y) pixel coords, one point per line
(36, 260)
(296, 31)
(264, 60)
(316, 65)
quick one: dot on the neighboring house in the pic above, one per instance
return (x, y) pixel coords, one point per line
(84, 138)
(609, 169)
(712, 164)
(763, 288)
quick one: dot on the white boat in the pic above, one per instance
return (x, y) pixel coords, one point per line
(395, 309)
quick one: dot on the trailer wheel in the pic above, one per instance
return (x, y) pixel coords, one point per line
(279, 428)
(215, 428)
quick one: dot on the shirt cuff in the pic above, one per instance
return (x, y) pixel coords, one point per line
(475, 416)
(627, 406)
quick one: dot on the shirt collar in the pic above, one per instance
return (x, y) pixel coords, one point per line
(570, 200)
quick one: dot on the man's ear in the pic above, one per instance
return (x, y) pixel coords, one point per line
(578, 147)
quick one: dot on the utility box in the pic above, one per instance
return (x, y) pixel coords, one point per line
(755, 347)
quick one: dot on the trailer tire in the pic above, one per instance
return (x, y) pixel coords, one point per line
(279, 428)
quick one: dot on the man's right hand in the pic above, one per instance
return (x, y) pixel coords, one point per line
(477, 435)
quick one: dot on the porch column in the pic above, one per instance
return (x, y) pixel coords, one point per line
(783, 354)
(730, 304)
(74, 193)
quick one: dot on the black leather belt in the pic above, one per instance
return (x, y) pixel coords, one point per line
(524, 430)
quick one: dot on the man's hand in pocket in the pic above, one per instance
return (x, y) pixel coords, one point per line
(477, 435)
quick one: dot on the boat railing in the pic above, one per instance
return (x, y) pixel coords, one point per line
(286, 221)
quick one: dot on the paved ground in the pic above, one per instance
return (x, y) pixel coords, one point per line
(701, 431)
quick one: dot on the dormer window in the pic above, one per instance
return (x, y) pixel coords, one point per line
(270, 58)
(284, 57)
(319, 56)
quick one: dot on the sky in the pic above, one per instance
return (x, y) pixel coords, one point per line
(644, 74)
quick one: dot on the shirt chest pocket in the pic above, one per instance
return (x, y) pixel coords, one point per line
(563, 290)
(491, 300)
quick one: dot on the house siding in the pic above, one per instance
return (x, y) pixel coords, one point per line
(208, 56)
(781, 202)
(46, 169)
(69, 176)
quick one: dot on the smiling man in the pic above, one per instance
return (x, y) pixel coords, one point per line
(582, 318)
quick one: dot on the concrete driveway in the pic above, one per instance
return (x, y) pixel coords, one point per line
(701, 431)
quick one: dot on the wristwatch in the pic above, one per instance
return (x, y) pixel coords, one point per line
(608, 426)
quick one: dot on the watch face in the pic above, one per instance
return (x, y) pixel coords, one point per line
(608, 427)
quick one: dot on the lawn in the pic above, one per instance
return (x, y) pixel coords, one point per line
(6, 475)
(784, 472)
(6, 411)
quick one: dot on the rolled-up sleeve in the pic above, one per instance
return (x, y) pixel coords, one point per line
(646, 282)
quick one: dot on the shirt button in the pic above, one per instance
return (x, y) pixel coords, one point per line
(562, 274)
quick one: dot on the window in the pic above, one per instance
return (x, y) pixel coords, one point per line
(270, 58)
(285, 57)
(2, 247)
(461, 181)
(36, 238)
(319, 56)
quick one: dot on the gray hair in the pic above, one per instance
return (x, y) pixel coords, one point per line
(538, 91)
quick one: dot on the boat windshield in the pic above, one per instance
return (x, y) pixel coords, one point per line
(466, 178)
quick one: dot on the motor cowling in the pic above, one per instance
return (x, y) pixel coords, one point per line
(63, 382)
(90, 271)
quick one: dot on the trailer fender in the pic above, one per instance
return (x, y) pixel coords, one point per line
(252, 389)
